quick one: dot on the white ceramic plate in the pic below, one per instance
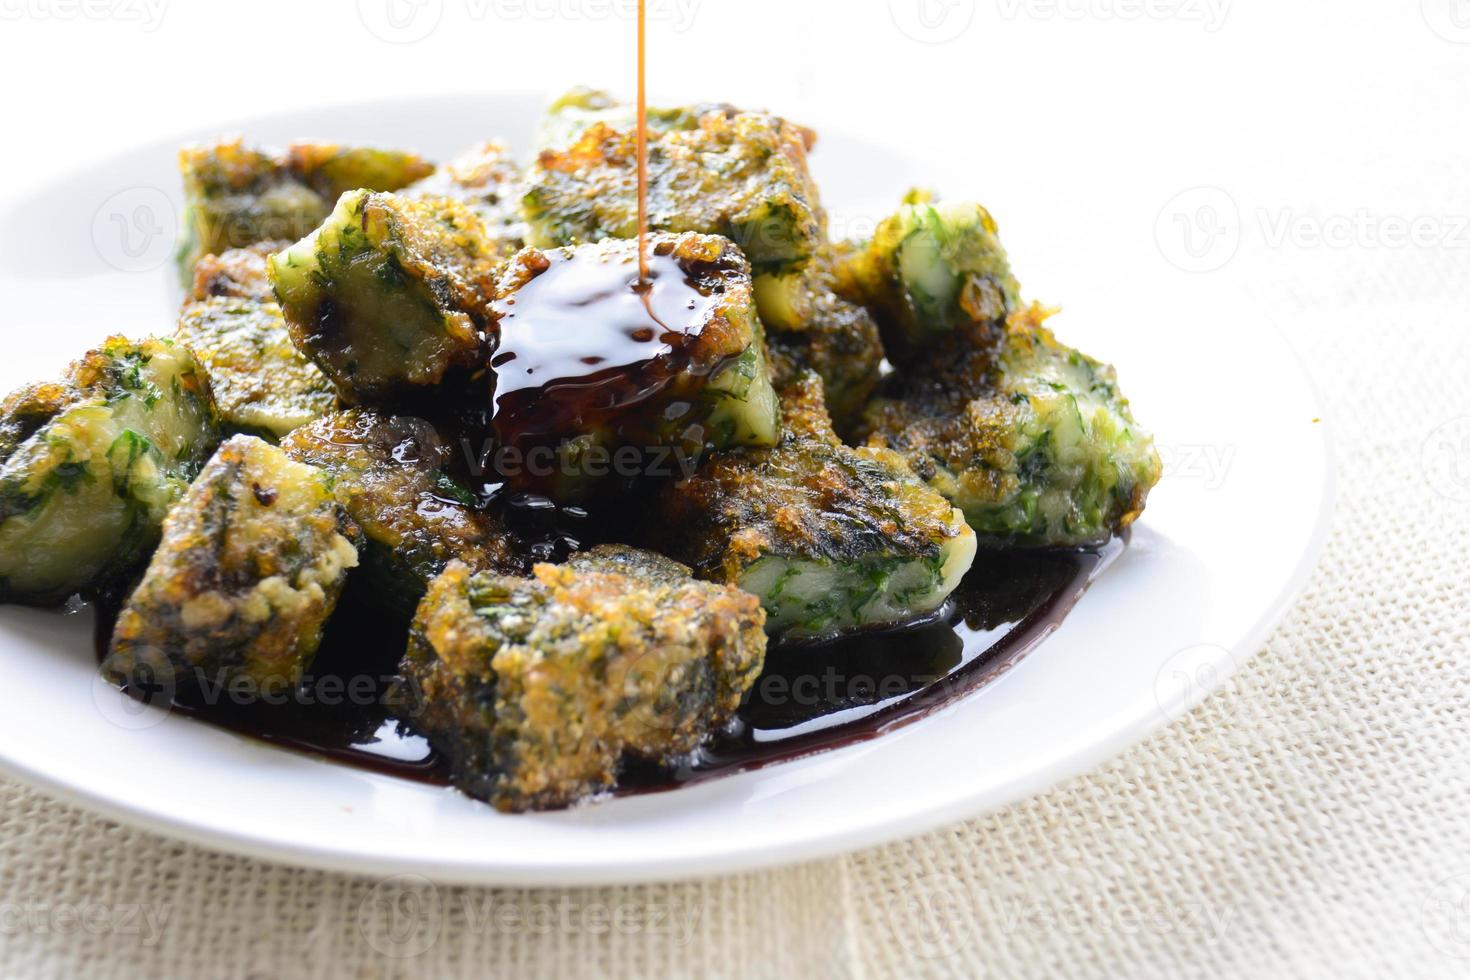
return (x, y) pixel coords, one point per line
(1226, 543)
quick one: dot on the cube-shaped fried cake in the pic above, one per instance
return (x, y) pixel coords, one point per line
(829, 538)
(237, 195)
(740, 175)
(89, 466)
(251, 565)
(1035, 442)
(535, 689)
(388, 473)
(933, 272)
(390, 296)
(587, 363)
(262, 384)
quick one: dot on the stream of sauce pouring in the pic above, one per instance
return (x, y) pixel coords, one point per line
(810, 698)
(591, 335)
(642, 148)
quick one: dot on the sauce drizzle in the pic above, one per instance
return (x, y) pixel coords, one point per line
(584, 345)
(642, 152)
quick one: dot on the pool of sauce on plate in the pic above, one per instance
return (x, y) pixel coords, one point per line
(810, 698)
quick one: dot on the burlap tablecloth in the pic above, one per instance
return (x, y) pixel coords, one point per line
(1309, 819)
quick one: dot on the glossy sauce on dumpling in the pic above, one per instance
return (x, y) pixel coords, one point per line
(585, 339)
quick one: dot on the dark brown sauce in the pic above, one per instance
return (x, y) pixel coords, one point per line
(810, 698)
(586, 337)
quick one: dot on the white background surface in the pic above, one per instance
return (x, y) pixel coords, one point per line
(1309, 822)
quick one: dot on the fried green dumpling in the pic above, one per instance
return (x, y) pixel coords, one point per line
(389, 475)
(588, 371)
(932, 271)
(262, 384)
(251, 565)
(390, 296)
(829, 538)
(740, 175)
(535, 689)
(236, 195)
(1035, 442)
(92, 464)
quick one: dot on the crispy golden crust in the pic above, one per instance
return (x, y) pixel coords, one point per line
(25, 410)
(250, 567)
(236, 195)
(238, 273)
(261, 382)
(387, 473)
(391, 294)
(804, 414)
(808, 496)
(535, 689)
(93, 463)
(743, 176)
(487, 180)
(1034, 440)
(882, 545)
(578, 110)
